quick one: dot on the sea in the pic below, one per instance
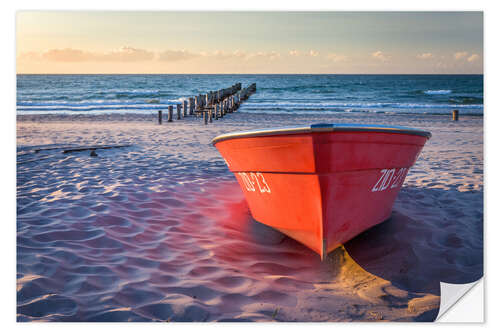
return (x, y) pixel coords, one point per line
(308, 94)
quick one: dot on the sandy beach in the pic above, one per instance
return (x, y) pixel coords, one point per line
(160, 230)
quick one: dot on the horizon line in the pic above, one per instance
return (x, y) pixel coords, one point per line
(249, 73)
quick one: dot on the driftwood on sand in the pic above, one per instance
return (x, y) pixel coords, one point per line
(76, 149)
(65, 150)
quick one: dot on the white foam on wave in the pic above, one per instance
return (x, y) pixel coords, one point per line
(177, 100)
(299, 106)
(437, 92)
(306, 105)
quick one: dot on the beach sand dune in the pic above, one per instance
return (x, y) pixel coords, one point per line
(160, 230)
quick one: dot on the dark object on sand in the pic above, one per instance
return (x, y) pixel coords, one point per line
(65, 151)
(92, 148)
(455, 115)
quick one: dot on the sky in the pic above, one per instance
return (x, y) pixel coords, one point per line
(249, 42)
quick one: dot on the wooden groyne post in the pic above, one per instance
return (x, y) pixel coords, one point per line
(191, 106)
(170, 113)
(213, 104)
(198, 103)
(455, 115)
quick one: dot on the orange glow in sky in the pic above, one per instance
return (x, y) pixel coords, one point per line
(250, 42)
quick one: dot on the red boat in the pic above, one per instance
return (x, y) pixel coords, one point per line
(322, 184)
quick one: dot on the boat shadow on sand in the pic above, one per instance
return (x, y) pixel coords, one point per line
(442, 243)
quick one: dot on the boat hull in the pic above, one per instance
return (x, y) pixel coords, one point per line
(321, 188)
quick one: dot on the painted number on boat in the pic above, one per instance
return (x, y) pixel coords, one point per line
(390, 178)
(254, 181)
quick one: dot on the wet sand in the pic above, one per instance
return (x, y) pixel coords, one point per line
(160, 231)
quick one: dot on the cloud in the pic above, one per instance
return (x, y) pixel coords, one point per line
(239, 54)
(313, 53)
(379, 55)
(336, 57)
(223, 55)
(173, 55)
(30, 56)
(296, 53)
(473, 58)
(460, 55)
(425, 56)
(67, 55)
(130, 54)
(219, 54)
(464, 56)
(124, 54)
(272, 55)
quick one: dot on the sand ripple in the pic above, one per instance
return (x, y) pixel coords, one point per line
(160, 231)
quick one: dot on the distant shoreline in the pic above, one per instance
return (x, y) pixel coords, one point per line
(343, 74)
(153, 116)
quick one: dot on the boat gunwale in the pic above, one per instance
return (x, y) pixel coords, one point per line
(316, 128)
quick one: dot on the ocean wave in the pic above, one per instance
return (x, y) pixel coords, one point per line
(299, 106)
(321, 111)
(305, 105)
(99, 103)
(295, 88)
(437, 92)
(83, 96)
(467, 100)
(94, 107)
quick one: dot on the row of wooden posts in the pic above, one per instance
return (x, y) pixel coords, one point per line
(212, 105)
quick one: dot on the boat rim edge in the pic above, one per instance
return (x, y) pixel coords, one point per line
(322, 128)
